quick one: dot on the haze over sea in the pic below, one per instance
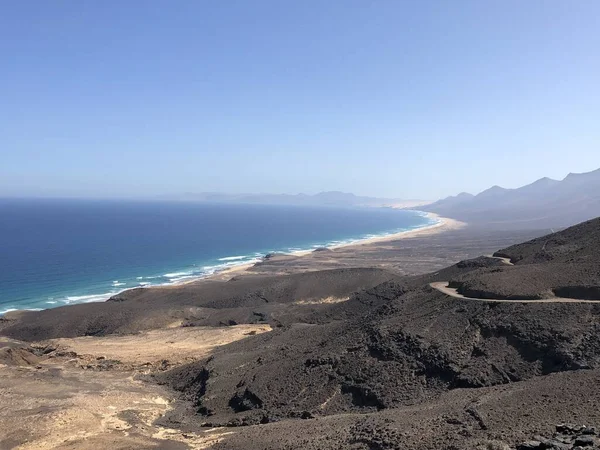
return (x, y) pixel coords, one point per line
(57, 252)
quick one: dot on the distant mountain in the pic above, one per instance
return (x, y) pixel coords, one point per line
(330, 198)
(451, 202)
(544, 203)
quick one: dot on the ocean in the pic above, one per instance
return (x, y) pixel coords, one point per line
(58, 252)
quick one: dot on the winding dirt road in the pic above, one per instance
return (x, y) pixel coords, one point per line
(442, 286)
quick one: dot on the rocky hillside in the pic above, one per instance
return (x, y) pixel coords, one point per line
(402, 343)
(209, 303)
(564, 265)
(407, 349)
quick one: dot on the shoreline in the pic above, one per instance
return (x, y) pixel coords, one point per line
(438, 225)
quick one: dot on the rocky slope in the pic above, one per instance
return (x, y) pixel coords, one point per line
(563, 264)
(209, 303)
(402, 344)
(406, 350)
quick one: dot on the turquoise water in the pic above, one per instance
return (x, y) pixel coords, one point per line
(57, 252)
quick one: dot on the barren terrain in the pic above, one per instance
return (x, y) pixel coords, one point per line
(364, 348)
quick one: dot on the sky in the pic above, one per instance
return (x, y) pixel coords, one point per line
(407, 99)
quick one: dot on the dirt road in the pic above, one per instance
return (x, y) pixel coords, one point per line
(442, 286)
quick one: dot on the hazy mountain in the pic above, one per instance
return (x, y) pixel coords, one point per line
(452, 201)
(330, 198)
(544, 203)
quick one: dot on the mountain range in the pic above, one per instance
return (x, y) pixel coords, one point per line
(544, 203)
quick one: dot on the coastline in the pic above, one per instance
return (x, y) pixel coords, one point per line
(231, 269)
(439, 225)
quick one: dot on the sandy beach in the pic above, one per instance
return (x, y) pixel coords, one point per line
(440, 225)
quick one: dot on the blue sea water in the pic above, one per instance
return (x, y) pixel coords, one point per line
(57, 252)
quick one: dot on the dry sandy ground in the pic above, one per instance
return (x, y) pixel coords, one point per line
(175, 345)
(410, 253)
(88, 393)
(327, 300)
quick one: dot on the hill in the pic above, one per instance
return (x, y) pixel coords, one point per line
(544, 203)
(410, 346)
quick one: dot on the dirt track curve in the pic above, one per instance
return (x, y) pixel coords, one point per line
(442, 286)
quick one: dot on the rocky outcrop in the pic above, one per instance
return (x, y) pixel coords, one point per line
(566, 437)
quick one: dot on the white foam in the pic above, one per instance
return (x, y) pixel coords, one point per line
(52, 302)
(176, 274)
(88, 298)
(117, 283)
(16, 309)
(232, 258)
(230, 264)
(180, 279)
(210, 269)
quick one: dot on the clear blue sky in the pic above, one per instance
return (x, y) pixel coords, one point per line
(416, 99)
